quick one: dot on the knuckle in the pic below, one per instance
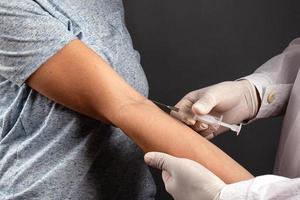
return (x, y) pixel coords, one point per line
(190, 94)
(160, 162)
(209, 96)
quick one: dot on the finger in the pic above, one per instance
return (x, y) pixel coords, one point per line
(168, 181)
(212, 132)
(184, 116)
(185, 113)
(200, 126)
(158, 160)
(176, 115)
(210, 136)
(188, 121)
(209, 133)
(205, 104)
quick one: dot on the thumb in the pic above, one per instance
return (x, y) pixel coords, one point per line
(158, 160)
(205, 104)
(166, 176)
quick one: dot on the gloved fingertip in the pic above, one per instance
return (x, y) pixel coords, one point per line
(210, 136)
(148, 158)
(191, 122)
(158, 160)
(174, 114)
(203, 126)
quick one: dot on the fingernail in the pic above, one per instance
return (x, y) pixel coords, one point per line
(191, 122)
(203, 126)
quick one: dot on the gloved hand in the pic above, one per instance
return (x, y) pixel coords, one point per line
(186, 179)
(237, 101)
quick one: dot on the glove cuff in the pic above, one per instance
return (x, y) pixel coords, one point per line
(251, 98)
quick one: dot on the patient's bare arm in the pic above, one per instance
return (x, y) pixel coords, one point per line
(79, 79)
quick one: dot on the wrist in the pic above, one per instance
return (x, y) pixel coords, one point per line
(251, 98)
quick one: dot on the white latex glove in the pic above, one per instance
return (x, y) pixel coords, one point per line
(237, 101)
(186, 179)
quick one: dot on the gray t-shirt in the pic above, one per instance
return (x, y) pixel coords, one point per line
(46, 150)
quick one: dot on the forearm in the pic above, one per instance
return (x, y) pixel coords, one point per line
(79, 79)
(153, 130)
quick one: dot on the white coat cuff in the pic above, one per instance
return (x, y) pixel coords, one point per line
(274, 97)
(236, 191)
(256, 188)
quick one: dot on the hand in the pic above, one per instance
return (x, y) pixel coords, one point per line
(237, 101)
(186, 179)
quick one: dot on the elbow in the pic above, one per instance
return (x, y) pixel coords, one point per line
(117, 108)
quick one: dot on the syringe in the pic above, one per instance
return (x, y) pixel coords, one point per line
(216, 122)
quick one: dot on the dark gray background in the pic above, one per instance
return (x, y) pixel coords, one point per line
(189, 44)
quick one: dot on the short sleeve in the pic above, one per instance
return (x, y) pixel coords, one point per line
(29, 36)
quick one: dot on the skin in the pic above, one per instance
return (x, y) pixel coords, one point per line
(79, 79)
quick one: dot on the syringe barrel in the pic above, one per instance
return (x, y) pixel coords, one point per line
(216, 122)
(212, 121)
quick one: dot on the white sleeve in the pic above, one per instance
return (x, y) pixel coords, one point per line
(274, 80)
(263, 188)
